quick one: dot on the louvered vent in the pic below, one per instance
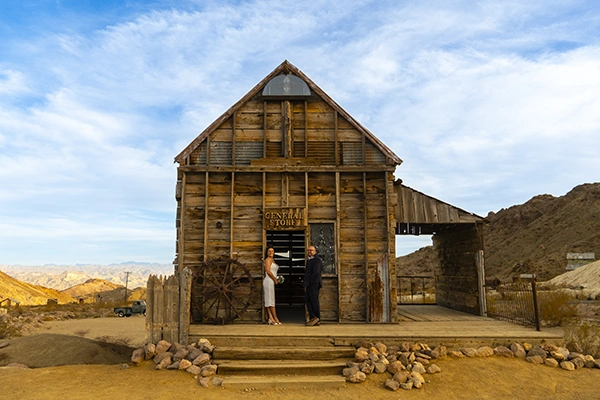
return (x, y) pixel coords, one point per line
(352, 153)
(325, 151)
(274, 150)
(245, 152)
(373, 156)
(299, 149)
(220, 153)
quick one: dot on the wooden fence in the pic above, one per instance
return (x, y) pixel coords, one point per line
(167, 302)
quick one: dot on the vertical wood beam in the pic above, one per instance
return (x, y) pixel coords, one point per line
(391, 235)
(233, 119)
(364, 149)
(287, 128)
(231, 215)
(264, 131)
(305, 128)
(366, 257)
(336, 147)
(264, 235)
(337, 244)
(206, 191)
(181, 248)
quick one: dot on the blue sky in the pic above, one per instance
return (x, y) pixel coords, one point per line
(488, 103)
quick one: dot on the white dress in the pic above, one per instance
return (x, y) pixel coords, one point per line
(269, 286)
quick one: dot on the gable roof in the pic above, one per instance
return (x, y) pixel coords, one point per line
(286, 67)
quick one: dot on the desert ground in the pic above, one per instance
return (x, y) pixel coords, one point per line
(93, 371)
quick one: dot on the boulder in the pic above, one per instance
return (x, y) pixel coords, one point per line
(537, 351)
(357, 377)
(423, 361)
(138, 356)
(347, 372)
(208, 370)
(456, 354)
(193, 369)
(194, 353)
(395, 367)
(418, 367)
(401, 376)
(407, 385)
(469, 352)
(185, 364)
(527, 346)
(382, 348)
(535, 359)
(204, 382)
(380, 368)
(367, 368)
(518, 350)
(484, 351)
(202, 359)
(551, 362)
(149, 351)
(161, 356)
(567, 365)
(504, 351)
(392, 385)
(578, 362)
(361, 355)
(162, 346)
(216, 381)
(174, 365)
(181, 354)
(164, 362)
(557, 355)
(433, 369)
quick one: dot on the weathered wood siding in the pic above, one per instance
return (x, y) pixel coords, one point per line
(456, 274)
(291, 153)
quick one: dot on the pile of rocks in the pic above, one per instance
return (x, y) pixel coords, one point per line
(194, 359)
(406, 364)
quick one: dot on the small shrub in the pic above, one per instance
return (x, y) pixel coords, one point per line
(556, 308)
(8, 329)
(82, 332)
(584, 337)
(115, 340)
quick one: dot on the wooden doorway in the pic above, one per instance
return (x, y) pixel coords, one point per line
(290, 256)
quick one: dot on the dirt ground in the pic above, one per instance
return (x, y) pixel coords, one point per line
(489, 378)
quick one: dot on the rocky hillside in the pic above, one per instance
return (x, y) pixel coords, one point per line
(532, 237)
(28, 294)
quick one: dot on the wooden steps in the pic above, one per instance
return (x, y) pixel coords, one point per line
(280, 362)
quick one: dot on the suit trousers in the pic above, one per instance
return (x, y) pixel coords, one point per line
(311, 298)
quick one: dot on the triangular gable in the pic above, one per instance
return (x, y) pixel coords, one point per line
(285, 67)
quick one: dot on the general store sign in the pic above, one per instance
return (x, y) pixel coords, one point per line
(285, 218)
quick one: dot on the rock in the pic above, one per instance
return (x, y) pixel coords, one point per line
(392, 385)
(216, 381)
(423, 361)
(504, 351)
(565, 352)
(407, 386)
(185, 364)
(535, 359)
(202, 359)
(434, 354)
(193, 369)
(368, 368)
(124, 366)
(361, 355)
(382, 348)
(347, 372)
(549, 347)
(208, 370)
(405, 347)
(17, 365)
(161, 356)
(194, 353)
(484, 351)
(181, 354)
(205, 346)
(401, 376)
(441, 350)
(578, 362)
(149, 351)
(418, 367)
(416, 347)
(357, 377)
(138, 356)
(527, 346)
(537, 351)
(373, 357)
(174, 365)
(567, 365)
(469, 351)
(395, 367)
(419, 354)
(380, 368)
(573, 355)
(557, 355)
(518, 350)
(433, 369)
(403, 358)
(383, 359)
(589, 361)
(204, 382)
(4, 343)
(374, 350)
(551, 362)
(164, 362)
(417, 379)
(175, 347)
(162, 346)
(456, 354)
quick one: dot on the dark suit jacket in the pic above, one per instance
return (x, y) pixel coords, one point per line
(312, 275)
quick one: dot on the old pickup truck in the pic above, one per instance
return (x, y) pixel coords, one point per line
(138, 307)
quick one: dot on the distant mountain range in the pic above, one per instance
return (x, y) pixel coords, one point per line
(61, 277)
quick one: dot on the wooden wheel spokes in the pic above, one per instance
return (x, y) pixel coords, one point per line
(222, 290)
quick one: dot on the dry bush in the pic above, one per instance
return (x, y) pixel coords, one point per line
(8, 329)
(82, 332)
(556, 307)
(584, 338)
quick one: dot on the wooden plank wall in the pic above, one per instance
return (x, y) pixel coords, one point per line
(456, 274)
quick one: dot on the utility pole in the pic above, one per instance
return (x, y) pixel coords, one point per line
(126, 281)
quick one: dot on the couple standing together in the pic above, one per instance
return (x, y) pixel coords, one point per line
(312, 284)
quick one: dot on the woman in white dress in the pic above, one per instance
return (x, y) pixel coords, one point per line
(269, 286)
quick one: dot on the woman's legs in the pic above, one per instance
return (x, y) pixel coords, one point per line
(273, 315)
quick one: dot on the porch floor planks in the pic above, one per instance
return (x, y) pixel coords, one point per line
(428, 322)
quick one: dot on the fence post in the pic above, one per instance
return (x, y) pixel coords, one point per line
(481, 283)
(536, 312)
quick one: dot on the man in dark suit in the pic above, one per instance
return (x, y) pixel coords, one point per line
(312, 284)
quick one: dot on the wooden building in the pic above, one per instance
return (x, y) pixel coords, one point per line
(287, 166)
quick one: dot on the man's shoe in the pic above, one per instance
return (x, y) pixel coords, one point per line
(313, 321)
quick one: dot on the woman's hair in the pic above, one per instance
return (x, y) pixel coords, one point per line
(267, 250)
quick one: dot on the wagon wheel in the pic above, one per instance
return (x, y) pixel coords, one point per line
(222, 290)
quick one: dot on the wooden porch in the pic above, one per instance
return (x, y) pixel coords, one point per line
(431, 324)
